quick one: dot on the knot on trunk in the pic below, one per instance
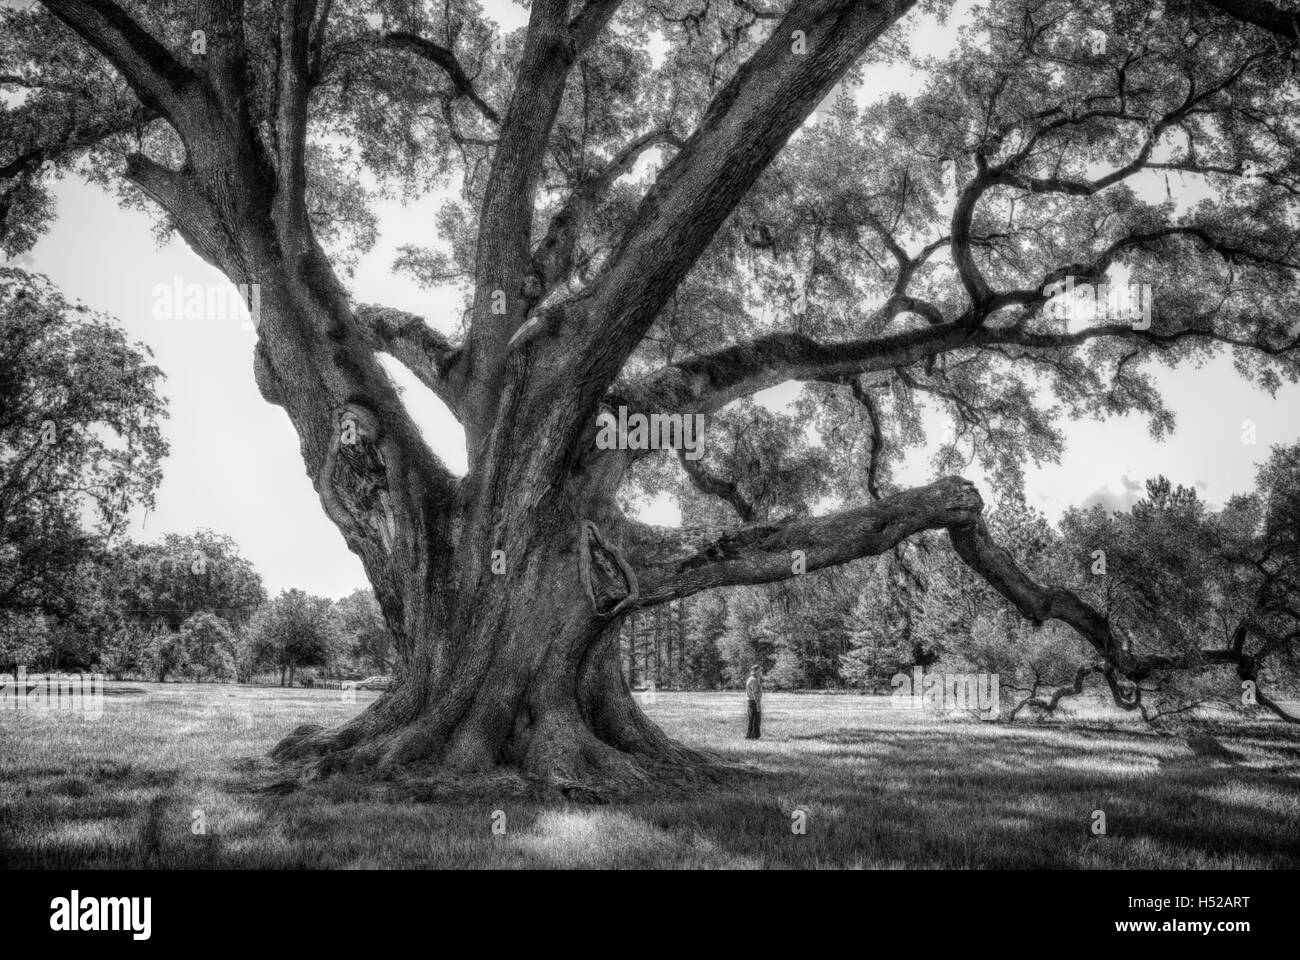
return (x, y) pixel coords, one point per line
(353, 480)
(607, 578)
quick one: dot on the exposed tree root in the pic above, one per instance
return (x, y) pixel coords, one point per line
(559, 755)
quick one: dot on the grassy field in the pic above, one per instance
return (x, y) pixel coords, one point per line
(878, 788)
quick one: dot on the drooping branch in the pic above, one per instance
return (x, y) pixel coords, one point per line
(1248, 665)
(1039, 604)
(1279, 711)
(676, 563)
(1123, 669)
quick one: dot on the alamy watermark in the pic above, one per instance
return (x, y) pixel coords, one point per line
(971, 692)
(75, 913)
(197, 563)
(1130, 302)
(81, 693)
(655, 431)
(208, 301)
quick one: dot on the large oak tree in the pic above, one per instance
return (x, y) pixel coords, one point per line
(505, 588)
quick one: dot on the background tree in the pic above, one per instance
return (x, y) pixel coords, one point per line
(25, 642)
(1199, 590)
(362, 622)
(882, 627)
(207, 640)
(296, 630)
(79, 447)
(245, 653)
(168, 654)
(183, 574)
(895, 284)
(127, 650)
(749, 638)
(706, 619)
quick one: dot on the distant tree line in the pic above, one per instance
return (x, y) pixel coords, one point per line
(80, 447)
(190, 608)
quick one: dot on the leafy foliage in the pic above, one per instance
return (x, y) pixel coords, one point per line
(79, 444)
(296, 630)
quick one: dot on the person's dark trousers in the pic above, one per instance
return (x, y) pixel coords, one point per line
(753, 731)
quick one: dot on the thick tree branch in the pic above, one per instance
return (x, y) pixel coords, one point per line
(227, 67)
(176, 192)
(864, 397)
(1038, 603)
(708, 382)
(553, 258)
(158, 79)
(590, 20)
(716, 486)
(503, 255)
(743, 129)
(1261, 13)
(293, 88)
(678, 563)
(421, 349)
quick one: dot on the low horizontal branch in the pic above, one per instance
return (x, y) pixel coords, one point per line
(673, 563)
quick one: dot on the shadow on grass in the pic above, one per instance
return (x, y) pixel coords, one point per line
(880, 791)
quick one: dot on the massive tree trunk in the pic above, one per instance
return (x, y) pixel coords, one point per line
(522, 666)
(523, 673)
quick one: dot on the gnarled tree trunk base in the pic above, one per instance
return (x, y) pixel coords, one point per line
(578, 733)
(563, 758)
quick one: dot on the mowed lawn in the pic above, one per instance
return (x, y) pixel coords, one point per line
(877, 787)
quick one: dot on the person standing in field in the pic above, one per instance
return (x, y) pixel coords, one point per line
(754, 699)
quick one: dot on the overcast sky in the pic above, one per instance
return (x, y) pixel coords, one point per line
(235, 468)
